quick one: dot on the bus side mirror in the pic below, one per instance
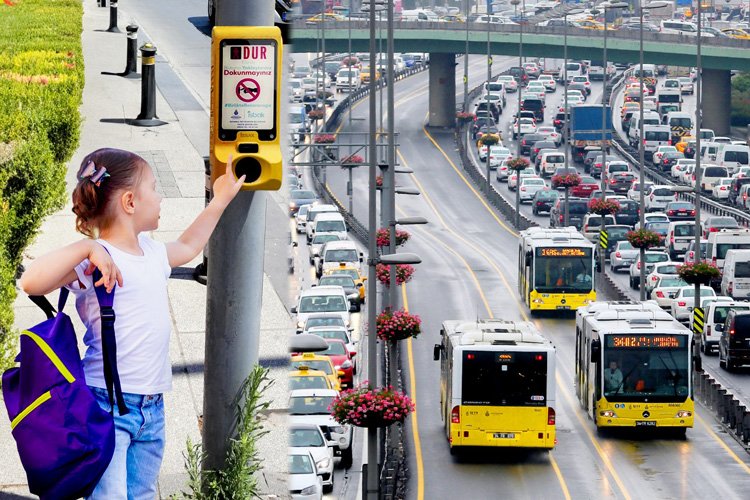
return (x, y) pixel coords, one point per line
(528, 258)
(436, 352)
(596, 346)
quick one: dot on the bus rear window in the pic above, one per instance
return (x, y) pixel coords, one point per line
(504, 378)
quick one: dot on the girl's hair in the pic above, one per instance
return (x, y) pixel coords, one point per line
(92, 202)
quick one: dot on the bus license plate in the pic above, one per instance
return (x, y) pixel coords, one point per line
(504, 435)
(645, 423)
(563, 307)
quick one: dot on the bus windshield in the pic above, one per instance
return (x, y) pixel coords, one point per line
(492, 378)
(653, 367)
(558, 270)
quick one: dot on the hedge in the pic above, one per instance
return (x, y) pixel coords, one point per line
(741, 100)
(41, 84)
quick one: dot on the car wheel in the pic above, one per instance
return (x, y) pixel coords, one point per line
(347, 457)
(535, 211)
(632, 283)
(329, 488)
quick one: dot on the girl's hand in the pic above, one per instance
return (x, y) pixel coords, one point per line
(226, 187)
(100, 258)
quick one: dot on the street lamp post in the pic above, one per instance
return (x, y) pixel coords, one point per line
(698, 123)
(515, 4)
(487, 97)
(466, 62)
(566, 125)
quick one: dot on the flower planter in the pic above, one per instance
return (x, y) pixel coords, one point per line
(643, 238)
(604, 207)
(518, 164)
(566, 181)
(399, 325)
(404, 274)
(700, 273)
(383, 237)
(365, 407)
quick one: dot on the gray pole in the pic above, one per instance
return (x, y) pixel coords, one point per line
(391, 173)
(605, 149)
(518, 173)
(233, 292)
(487, 96)
(349, 111)
(641, 159)
(566, 132)
(466, 62)
(372, 361)
(698, 123)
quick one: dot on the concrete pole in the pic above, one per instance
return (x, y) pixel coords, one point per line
(605, 149)
(466, 62)
(717, 99)
(698, 122)
(518, 173)
(234, 292)
(390, 47)
(489, 78)
(641, 154)
(566, 133)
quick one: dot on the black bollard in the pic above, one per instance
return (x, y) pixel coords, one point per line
(147, 117)
(131, 59)
(113, 17)
(102, 3)
(201, 270)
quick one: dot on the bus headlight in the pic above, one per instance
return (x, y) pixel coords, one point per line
(684, 414)
(537, 301)
(608, 414)
(587, 302)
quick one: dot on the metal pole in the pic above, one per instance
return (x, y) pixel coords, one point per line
(641, 173)
(391, 173)
(372, 361)
(518, 173)
(350, 66)
(698, 123)
(605, 149)
(487, 97)
(466, 61)
(566, 135)
(234, 292)
(351, 190)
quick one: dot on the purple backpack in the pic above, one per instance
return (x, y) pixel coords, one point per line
(64, 438)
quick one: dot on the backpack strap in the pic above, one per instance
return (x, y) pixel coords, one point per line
(109, 345)
(45, 305)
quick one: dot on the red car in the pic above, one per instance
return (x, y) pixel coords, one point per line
(584, 189)
(342, 360)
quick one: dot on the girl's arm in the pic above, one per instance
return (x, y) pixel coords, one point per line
(56, 269)
(194, 239)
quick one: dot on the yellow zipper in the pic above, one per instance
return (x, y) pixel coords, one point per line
(38, 401)
(51, 355)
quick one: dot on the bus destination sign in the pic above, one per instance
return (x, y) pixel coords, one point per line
(646, 341)
(564, 252)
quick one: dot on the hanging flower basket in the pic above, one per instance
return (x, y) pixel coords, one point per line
(365, 407)
(383, 237)
(316, 114)
(353, 160)
(463, 117)
(325, 138)
(489, 139)
(398, 325)
(404, 273)
(566, 181)
(643, 238)
(350, 61)
(518, 164)
(701, 272)
(600, 206)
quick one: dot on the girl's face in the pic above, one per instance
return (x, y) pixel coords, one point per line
(148, 202)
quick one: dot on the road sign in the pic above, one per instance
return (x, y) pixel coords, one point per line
(698, 320)
(603, 239)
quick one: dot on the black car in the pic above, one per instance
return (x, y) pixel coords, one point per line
(620, 182)
(528, 141)
(595, 169)
(544, 200)
(734, 188)
(535, 105)
(481, 122)
(669, 159)
(494, 109)
(519, 74)
(589, 158)
(734, 343)
(628, 213)
(539, 145)
(680, 210)
(578, 208)
(615, 233)
(559, 120)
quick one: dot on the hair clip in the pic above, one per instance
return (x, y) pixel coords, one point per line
(93, 174)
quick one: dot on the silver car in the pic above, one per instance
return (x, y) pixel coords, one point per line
(665, 289)
(660, 270)
(317, 244)
(623, 255)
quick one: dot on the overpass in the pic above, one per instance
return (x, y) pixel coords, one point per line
(442, 40)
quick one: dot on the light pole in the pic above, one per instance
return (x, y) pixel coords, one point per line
(518, 134)
(487, 97)
(698, 123)
(566, 125)
(466, 61)
(641, 152)
(349, 110)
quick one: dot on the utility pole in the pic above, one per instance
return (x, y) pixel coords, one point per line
(234, 292)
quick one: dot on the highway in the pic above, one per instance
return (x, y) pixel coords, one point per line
(468, 271)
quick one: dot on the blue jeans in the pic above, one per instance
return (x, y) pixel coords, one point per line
(139, 446)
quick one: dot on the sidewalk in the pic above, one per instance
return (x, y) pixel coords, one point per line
(107, 100)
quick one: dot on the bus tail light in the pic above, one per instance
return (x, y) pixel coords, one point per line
(684, 414)
(456, 415)
(550, 416)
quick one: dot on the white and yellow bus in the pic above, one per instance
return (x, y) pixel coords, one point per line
(556, 269)
(497, 384)
(634, 366)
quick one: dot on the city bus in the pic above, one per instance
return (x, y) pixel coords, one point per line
(556, 269)
(497, 384)
(634, 366)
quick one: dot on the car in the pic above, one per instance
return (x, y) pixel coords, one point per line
(335, 253)
(308, 438)
(497, 155)
(721, 189)
(715, 315)
(668, 159)
(653, 217)
(510, 83)
(651, 257)
(660, 270)
(664, 290)
(680, 210)
(303, 479)
(629, 212)
(321, 299)
(313, 213)
(306, 378)
(597, 164)
(680, 166)
(528, 126)
(716, 223)
(585, 187)
(347, 283)
(336, 332)
(317, 243)
(592, 225)
(519, 74)
(543, 201)
(634, 193)
(549, 82)
(660, 150)
(354, 272)
(330, 222)
(342, 360)
(550, 133)
(661, 228)
(502, 171)
(686, 85)
(316, 362)
(584, 80)
(538, 146)
(689, 257)
(300, 197)
(532, 69)
(658, 197)
(598, 194)
(681, 305)
(550, 162)
(489, 102)
(484, 122)
(615, 233)
(734, 348)
(623, 255)
(577, 209)
(300, 219)
(529, 187)
(513, 178)
(581, 90)
(528, 140)
(621, 182)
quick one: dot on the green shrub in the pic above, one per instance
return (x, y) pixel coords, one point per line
(741, 100)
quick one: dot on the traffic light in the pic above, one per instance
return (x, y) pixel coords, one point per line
(245, 104)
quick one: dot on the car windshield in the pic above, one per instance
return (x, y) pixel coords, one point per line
(324, 238)
(309, 405)
(312, 364)
(332, 321)
(341, 255)
(720, 312)
(652, 258)
(344, 281)
(306, 437)
(322, 303)
(334, 348)
(625, 245)
(302, 194)
(308, 382)
(672, 282)
(331, 334)
(330, 226)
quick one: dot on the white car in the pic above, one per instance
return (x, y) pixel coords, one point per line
(653, 217)
(512, 180)
(721, 189)
(502, 171)
(300, 218)
(634, 193)
(529, 187)
(310, 406)
(679, 167)
(483, 151)
(660, 152)
(551, 133)
(652, 257)
(665, 289)
(549, 82)
(686, 85)
(658, 197)
(584, 80)
(528, 126)
(308, 438)
(303, 479)
(511, 85)
(296, 93)
(681, 305)
(498, 154)
(742, 172)
(316, 245)
(661, 270)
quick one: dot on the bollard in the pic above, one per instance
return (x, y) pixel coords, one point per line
(201, 270)
(131, 58)
(113, 17)
(147, 117)
(715, 396)
(739, 411)
(102, 3)
(721, 404)
(746, 427)
(727, 407)
(732, 413)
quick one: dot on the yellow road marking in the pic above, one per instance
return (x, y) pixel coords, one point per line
(560, 477)
(723, 444)
(414, 420)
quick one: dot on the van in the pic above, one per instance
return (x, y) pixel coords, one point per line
(676, 27)
(735, 281)
(649, 118)
(419, 15)
(577, 210)
(348, 79)
(574, 69)
(298, 123)
(664, 108)
(721, 242)
(332, 222)
(716, 312)
(495, 88)
(628, 213)
(658, 197)
(710, 151)
(335, 253)
(551, 161)
(733, 157)
(653, 137)
(668, 96)
(734, 348)
(592, 224)
(679, 236)
(680, 123)
(710, 175)
(649, 71)
(312, 213)
(535, 105)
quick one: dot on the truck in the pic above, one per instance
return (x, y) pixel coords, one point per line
(586, 128)
(550, 66)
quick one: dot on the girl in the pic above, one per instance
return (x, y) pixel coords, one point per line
(115, 202)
